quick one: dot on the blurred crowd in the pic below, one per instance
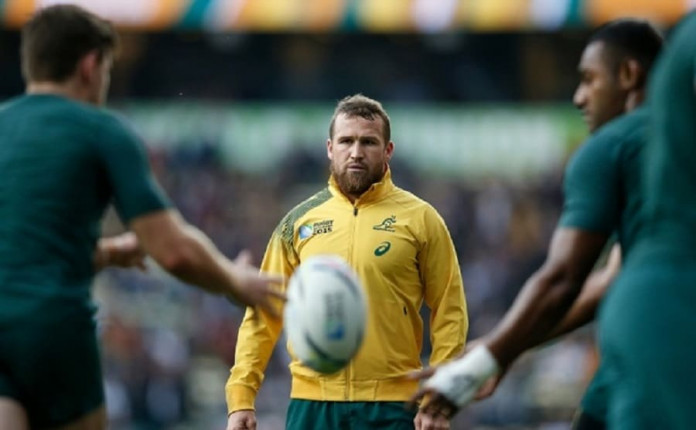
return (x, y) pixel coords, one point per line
(403, 67)
(167, 348)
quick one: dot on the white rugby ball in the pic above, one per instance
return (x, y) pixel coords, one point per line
(324, 317)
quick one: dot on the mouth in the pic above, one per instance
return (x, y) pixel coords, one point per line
(356, 168)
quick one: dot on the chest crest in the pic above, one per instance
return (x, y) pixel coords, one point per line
(313, 229)
(386, 225)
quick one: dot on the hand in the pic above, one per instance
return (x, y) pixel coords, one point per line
(491, 384)
(252, 288)
(241, 420)
(488, 387)
(424, 421)
(121, 251)
(434, 403)
(455, 384)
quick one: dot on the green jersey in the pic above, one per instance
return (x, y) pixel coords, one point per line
(602, 194)
(670, 174)
(602, 181)
(62, 163)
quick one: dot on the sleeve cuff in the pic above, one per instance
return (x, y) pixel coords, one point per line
(239, 397)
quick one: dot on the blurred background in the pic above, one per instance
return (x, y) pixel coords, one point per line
(234, 97)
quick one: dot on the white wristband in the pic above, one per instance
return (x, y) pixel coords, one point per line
(459, 380)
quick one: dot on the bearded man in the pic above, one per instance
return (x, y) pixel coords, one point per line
(403, 253)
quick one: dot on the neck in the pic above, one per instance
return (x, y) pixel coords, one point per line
(66, 89)
(634, 99)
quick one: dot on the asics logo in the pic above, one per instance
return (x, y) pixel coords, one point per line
(382, 248)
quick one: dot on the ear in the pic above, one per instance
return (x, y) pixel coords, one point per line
(389, 150)
(631, 75)
(329, 147)
(89, 67)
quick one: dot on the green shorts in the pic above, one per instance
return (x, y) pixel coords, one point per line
(594, 402)
(52, 369)
(647, 326)
(316, 415)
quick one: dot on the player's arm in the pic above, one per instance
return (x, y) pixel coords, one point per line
(582, 312)
(593, 196)
(257, 336)
(178, 247)
(443, 290)
(548, 295)
(119, 251)
(185, 252)
(586, 305)
(540, 306)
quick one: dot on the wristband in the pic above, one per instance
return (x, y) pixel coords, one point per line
(459, 380)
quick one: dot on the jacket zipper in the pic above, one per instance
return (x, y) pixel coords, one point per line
(346, 393)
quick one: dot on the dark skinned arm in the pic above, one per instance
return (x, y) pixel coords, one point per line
(547, 296)
(596, 286)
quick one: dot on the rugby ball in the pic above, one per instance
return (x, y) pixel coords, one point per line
(324, 317)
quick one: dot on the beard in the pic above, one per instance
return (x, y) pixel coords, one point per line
(355, 183)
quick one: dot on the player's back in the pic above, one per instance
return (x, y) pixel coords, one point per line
(670, 168)
(650, 312)
(52, 195)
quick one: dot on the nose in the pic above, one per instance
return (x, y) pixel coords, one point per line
(579, 98)
(356, 152)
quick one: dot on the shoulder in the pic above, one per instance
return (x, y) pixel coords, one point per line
(607, 135)
(113, 122)
(610, 140)
(102, 121)
(94, 115)
(624, 135)
(115, 130)
(4, 106)
(684, 33)
(630, 125)
(286, 227)
(409, 202)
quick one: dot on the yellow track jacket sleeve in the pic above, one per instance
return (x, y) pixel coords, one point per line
(258, 335)
(444, 292)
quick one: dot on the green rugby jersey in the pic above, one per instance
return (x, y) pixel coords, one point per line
(602, 180)
(670, 169)
(62, 163)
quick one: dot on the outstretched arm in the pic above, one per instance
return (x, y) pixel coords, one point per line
(582, 312)
(119, 251)
(547, 296)
(185, 252)
(541, 305)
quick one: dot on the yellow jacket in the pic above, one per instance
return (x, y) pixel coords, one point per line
(402, 251)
